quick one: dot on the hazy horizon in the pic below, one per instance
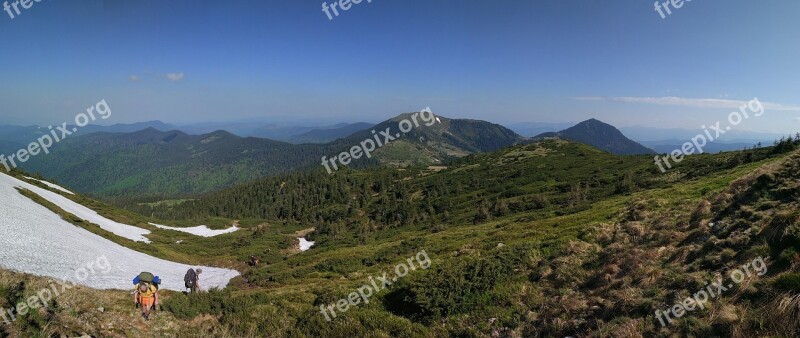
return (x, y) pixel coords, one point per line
(550, 62)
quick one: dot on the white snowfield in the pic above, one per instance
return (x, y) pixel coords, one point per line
(305, 244)
(51, 185)
(84, 213)
(200, 230)
(37, 241)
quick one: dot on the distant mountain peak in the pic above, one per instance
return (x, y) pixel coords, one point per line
(593, 123)
(601, 135)
(430, 144)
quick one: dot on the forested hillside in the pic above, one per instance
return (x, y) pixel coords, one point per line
(609, 239)
(174, 164)
(436, 142)
(152, 161)
(551, 177)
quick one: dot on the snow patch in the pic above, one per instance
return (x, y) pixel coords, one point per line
(51, 185)
(37, 241)
(200, 230)
(305, 244)
(123, 230)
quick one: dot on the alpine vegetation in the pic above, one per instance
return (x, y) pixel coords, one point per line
(712, 290)
(268, 173)
(368, 290)
(55, 289)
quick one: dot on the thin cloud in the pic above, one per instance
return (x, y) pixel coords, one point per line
(589, 98)
(134, 78)
(175, 77)
(690, 102)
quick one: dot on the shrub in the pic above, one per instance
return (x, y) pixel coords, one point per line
(457, 287)
(192, 305)
(784, 230)
(788, 282)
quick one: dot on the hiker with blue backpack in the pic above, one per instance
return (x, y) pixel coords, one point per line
(145, 295)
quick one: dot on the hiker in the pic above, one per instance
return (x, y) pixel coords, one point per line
(146, 294)
(254, 261)
(192, 279)
(155, 279)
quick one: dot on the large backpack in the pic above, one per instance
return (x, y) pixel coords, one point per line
(157, 282)
(190, 279)
(147, 279)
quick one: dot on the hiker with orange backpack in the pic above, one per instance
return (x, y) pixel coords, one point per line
(146, 294)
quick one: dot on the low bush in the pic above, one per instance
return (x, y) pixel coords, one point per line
(788, 283)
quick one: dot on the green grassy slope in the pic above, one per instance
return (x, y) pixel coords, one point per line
(548, 239)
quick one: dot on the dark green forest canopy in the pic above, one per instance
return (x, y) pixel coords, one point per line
(552, 177)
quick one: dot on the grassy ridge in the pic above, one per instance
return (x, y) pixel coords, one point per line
(521, 242)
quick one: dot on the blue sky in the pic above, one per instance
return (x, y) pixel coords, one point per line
(502, 61)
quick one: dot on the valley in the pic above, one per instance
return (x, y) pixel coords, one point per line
(544, 227)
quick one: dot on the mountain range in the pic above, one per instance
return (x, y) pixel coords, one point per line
(14, 137)
(295, 134)
(532, 129)
(151, 161)
(175, 163)
(662, 140)
(329, 134)
(537, 215)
